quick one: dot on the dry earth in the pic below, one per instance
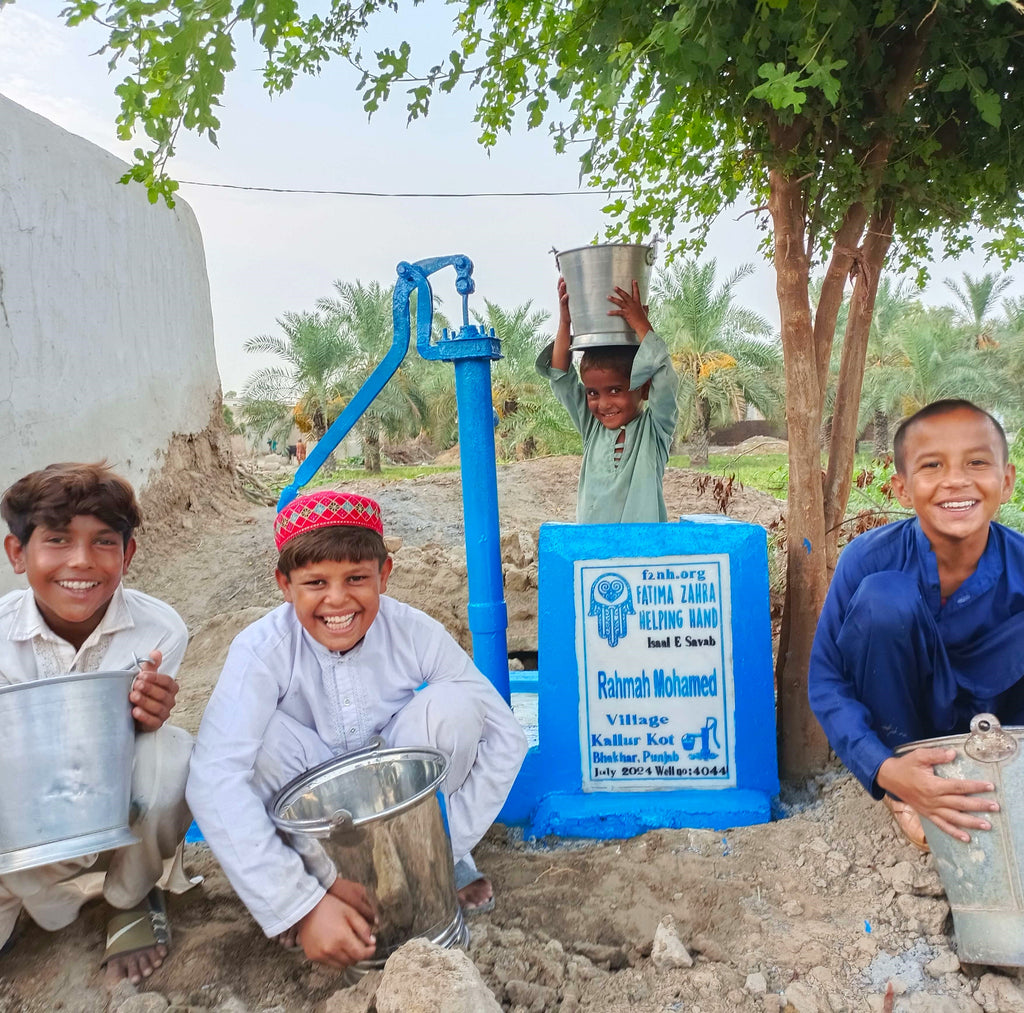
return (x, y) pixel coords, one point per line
(818, 911)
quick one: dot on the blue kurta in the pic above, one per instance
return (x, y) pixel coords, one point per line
(891, 664)
(630, 489)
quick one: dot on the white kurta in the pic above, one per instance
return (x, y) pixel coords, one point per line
(30, 650)
(284, 702)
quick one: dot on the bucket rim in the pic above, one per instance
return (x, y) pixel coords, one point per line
(606, 246)
(59, 680)
(951, 741)
(359, 757)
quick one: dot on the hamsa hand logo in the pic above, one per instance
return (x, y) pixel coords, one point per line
(611, 601)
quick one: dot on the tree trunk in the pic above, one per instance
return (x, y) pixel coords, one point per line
(700, 441)
(806, 349)
(371, 450)
(826, 434)
(851, 375)
(881, 437)
(802, 745)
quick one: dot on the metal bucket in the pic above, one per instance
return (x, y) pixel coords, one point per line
(377, 815)
(984, 879)
(591, 274)
(66, 746)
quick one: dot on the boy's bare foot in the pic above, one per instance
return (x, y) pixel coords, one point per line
(137, 940)
(477, 897)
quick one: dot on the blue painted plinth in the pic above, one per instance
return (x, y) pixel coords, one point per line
(626, 814)
(655, 692)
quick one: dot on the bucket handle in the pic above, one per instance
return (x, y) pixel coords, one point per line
(374, 745)
(342, 819)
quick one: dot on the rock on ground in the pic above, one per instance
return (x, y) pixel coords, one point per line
(424, 977)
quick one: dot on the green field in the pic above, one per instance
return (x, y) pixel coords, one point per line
(767, 472)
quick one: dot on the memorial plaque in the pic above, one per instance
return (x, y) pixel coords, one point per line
(654, 707)
(655, 656)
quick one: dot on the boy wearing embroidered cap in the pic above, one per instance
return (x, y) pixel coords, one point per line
(321, 675)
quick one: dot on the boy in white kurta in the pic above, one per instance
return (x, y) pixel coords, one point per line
(337, 664)
(71, 535)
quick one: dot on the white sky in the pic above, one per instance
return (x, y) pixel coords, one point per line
(269, 253)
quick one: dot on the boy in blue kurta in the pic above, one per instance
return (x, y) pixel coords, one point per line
(923, 624)
(625, 447)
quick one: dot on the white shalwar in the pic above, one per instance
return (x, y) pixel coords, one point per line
(285, 703)
(30, 650)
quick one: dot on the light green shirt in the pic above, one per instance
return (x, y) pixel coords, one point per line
(631, 489)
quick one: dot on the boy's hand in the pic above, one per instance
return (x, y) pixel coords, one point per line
(563, 304)
(152, 695)
(631, 309)
(335, 932)
(561, 357)
(355, 895)
(946, 801)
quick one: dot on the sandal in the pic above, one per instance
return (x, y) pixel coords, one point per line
(907, 822)
(9, 942)
(141, 928)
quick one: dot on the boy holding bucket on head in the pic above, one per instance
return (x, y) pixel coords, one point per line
(71, 535)
(923, 624)
(323, 674)
(625, 447)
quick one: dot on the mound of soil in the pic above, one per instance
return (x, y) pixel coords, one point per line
(816, 912)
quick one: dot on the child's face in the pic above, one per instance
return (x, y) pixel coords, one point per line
(336, 603)
(73, 572)
(954, 476)
(609, 398)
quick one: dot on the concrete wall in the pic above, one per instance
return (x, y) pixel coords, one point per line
(106, 331)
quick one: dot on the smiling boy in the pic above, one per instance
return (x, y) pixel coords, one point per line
(625, 447)
(71, 536)
(923, 622)
(323, 674)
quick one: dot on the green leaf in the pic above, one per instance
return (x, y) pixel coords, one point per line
(952, 80)
(989, 105)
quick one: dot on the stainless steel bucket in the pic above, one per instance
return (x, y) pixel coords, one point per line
(66, 747)
(591, 274)
(984, 879)
(377, 815)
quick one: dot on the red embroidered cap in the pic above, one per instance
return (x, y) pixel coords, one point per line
(326, 509)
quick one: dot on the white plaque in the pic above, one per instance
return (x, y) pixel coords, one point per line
(654, 643)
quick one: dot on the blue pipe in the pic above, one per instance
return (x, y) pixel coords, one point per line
(488, 615)
(374, 383)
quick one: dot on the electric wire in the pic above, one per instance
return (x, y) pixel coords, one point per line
(376, 193)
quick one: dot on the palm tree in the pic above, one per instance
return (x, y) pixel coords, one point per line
(975, 304)
(936, 363)
(363, 314)
(1010, 354)
(720, 350)
(309, 381)
(530, 419)
(881, 395)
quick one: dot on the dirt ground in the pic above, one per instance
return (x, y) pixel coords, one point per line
(821, 910)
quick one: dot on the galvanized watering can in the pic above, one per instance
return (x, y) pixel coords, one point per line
(376, 814)
(66, 746)
(591, 274)
(984, 879)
